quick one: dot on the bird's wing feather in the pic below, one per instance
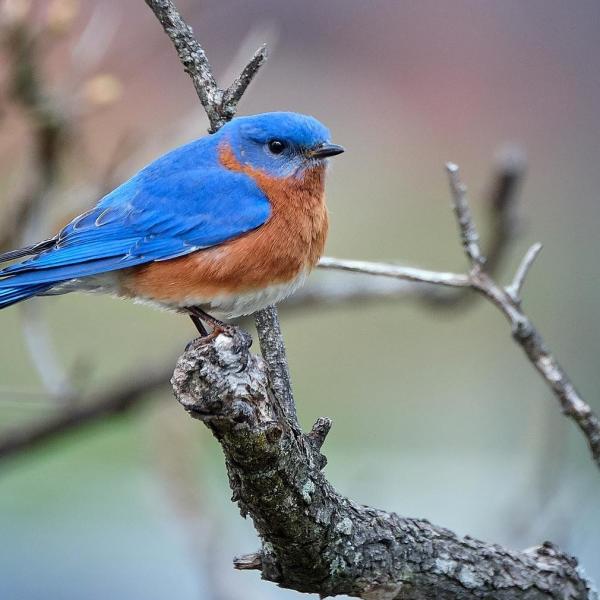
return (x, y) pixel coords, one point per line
(148, 219)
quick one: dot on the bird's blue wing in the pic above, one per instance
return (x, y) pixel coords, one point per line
(149, 218)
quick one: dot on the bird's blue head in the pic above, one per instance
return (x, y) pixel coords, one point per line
(282, 144)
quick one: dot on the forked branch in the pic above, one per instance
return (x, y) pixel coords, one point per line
(507, 299)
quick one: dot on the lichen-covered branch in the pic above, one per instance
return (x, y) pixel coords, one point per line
(316, 541)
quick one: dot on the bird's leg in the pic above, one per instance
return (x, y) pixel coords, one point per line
(200, 317)
(199, 325)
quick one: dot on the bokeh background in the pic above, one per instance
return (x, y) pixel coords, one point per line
(436, 412)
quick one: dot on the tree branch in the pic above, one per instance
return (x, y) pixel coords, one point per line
(220, 105)
(273, 350)
(396, 271)
(507, 300)
(317, 541)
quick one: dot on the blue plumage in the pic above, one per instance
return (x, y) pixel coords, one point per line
(147, 219)
(184, 201)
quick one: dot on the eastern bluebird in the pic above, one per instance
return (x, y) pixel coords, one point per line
(231, 222)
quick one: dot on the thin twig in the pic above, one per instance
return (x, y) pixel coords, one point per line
(396, 271)
(220, 105)
(514, 289)
(236, 90)
(273, 350)
(507, 300)
(468, 234)
(502, 227)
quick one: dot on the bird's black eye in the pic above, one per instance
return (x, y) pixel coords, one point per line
(276, 146)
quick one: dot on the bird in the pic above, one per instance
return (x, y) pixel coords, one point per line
(227, 224)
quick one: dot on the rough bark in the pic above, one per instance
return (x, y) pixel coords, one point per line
(315, 540)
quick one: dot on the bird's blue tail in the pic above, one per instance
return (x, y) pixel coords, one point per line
(12, 295)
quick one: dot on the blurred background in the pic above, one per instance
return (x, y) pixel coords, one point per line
(437, 414)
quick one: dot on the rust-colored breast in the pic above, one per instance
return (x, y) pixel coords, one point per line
(290, 242)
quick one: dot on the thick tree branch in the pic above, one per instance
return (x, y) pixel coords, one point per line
(315, 540)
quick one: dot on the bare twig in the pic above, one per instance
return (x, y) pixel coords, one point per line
(220, 105)
(507, 300)
(273, 351)
(515, 288)
(396, 271)
(468, 233)
(502, 227)
(236, 90)
(121, 397)
(524, 333)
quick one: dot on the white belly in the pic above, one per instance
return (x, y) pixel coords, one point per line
(227, 306)
(230, 306)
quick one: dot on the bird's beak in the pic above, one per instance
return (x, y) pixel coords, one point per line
(325, 150)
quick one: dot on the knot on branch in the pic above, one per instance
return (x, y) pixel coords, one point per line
(316, 437)
(221, 383)
(220, 379)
